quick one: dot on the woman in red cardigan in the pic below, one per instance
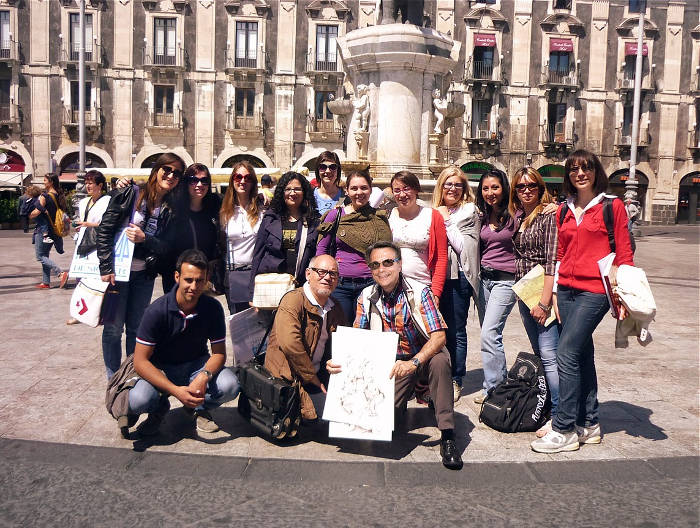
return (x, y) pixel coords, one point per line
(420, 233)
(580, 301)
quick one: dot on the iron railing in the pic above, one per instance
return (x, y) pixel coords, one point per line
(70, 53)
(625, 80)
(164, 56)
(244, 123)
(71, 116)
(8, 50)
(559, 76)
(8, 113)
(557, 133)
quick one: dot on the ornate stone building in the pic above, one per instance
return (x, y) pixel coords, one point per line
(219, 80)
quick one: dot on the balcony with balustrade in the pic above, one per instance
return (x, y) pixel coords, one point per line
(165, 121)
(164, 58)
(9, 52)
(694, 141)
(71, 117)
(557, 136)
(481, 134)
(244, 126)
(695, 84)
(325, 130)
(566, 78)
(9, 115)
(625, 82)
(482, 73)
(70, 55)
(623, 138)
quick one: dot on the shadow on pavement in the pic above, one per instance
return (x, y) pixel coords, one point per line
(632, 419)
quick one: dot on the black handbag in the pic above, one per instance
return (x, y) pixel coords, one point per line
(88, 243)
(271, 405)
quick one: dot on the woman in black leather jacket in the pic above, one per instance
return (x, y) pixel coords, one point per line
(277, 245)
(145, 212)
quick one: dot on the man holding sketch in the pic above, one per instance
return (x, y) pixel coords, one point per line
(407, 307)
(300, 339)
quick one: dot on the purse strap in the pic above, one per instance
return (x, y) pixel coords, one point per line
(256, 356)
(333, 243)
(302, 245)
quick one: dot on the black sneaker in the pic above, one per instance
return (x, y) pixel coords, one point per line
(451, 458)
(151, 425)
(125, 422)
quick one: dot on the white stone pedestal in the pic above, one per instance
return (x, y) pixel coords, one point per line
(401, 64)
(436, 143)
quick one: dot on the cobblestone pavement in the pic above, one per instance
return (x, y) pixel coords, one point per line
(52, 381)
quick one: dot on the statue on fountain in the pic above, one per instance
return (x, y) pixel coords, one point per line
(411, 11)
(440, 104)
(362, 109)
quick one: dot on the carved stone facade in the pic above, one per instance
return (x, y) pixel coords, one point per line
(216, 80)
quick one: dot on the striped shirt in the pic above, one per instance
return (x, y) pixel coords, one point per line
(537, 244)
(396, 317)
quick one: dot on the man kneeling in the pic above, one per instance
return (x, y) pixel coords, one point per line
(398, 304)
(171, 353)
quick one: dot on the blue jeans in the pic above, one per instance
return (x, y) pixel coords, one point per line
(544, 341)
(496, 300)
(42, 250)
(134, 297)
(349, 288)
(580, 313)
(223, 387)
(454, 307)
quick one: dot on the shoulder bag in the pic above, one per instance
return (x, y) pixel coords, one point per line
(237, 278)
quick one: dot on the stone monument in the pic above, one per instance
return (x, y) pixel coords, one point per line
(397, 66)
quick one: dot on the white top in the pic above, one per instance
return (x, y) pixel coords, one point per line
(241, 237)
(323, 338)
(96, 211)
(412, 236)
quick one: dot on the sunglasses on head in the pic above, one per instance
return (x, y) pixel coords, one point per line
(193, 180)
(387, 263)
(169, 171)
(238, 178)
(327, 167)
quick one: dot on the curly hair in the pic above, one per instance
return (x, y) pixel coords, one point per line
(308, 203)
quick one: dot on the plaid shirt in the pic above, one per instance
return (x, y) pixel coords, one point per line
(396, 317)
(537, 244)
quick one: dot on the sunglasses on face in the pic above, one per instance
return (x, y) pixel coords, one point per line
(574, 169)
(522, 187)
(169, 171)
(193, 180)
(457, 186)
(330, 167)
(238, 178)
(323, 272)
(387, 263)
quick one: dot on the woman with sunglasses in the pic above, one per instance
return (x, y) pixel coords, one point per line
(580, 302)
(196, 220)
(535, 242)
(328, 193)
(145, 211)
(360, 225)
(241, 216)
(419, 232)
(278, 246)
(452, 197)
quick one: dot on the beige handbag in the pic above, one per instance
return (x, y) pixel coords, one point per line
(271, 287)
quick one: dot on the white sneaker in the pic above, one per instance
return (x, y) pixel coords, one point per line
(542, 431)
(456, 391)
(589, 435)
(554, 442)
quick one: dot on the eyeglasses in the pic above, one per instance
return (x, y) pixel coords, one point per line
(522, 187)
(193, 181)
(238, 178)
(405, 190)
(387, 263)
(323, 272)
(331, 167)
(574, 169)
(169, 171)
(293, 190)
(454, 186)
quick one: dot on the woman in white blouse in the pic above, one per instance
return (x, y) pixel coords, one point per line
(241, 215)
(453, 198)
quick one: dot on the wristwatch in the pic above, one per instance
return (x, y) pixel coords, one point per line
(209, 374)
(544, 307)
(416, 362)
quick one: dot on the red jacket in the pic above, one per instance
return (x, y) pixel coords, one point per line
(580, 247)
(437, 253)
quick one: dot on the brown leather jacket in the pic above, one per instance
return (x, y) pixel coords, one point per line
(293, 339)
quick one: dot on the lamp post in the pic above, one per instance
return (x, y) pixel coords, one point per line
(80, 187)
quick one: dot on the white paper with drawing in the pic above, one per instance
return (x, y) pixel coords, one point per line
(362, 394)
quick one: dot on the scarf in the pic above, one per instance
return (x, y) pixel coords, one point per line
(360, 229)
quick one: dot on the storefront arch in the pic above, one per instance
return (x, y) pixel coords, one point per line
(253, 160)
(688, 192)
(553, 176)
(618, 179)
(151, 150)
(223, 158)
(150, 161)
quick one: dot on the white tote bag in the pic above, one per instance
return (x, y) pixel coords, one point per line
(86, 301)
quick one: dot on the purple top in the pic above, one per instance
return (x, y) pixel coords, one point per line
(351, 263)
(497, 247)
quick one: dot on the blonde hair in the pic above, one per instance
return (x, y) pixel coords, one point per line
(230, 201)
(445, 175)
(543, 194)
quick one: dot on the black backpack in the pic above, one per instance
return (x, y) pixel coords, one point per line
(608, 218)
(522, 401)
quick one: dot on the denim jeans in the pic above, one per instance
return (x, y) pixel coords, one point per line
(42, 250)
(223, 387)
(454, 307)
(496, 300)
(134, 297)
(580, 312)
(349, 288)
(544, 341)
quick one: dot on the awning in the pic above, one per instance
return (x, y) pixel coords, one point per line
(12, 179)
(631, 49)
(560, 44)
(487, 40)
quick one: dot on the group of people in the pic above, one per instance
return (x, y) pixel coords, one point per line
(414, 268)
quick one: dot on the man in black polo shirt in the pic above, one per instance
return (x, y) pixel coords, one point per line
(171, 353)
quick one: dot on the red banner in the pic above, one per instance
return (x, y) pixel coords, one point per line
(631, 49)
(486, 40)
(559, 44)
